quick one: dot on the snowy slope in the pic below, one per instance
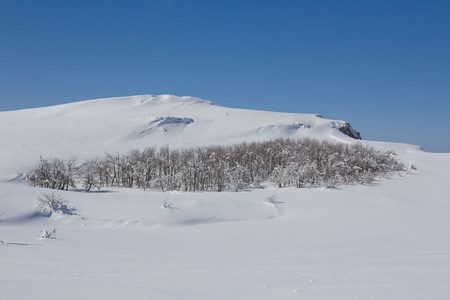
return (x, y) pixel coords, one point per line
(388, 240)
(89, 128)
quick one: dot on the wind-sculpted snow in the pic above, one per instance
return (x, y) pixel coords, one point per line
(170, 125)
(281, 130)
(171, 121)
(164, 99)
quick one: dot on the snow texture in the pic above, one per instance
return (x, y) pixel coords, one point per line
(387, 240)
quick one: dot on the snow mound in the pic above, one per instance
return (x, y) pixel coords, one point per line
(281, 130)
(162, 99)
(150, 100)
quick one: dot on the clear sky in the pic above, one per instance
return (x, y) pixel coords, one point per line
(383, 66)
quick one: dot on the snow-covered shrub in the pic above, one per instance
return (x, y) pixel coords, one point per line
(272, 199)
(55, 203)
(53, 174)
(284, 162)
(167, 204)
(48, 234)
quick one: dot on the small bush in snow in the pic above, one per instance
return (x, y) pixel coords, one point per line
(48, 234)
(169, 205)
(55, 203)
(272, 199)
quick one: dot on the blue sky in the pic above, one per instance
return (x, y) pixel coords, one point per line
(383, 66)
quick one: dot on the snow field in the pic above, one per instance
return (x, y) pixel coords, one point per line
(387, 240)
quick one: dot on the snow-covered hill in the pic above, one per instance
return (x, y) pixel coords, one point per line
(89, 128)
(387, 240)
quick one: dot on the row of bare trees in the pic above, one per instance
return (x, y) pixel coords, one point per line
(283, 162)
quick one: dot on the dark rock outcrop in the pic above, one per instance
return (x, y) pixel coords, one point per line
(347, 129)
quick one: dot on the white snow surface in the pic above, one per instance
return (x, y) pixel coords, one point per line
(388, 240)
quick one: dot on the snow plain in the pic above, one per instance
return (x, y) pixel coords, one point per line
(388, 240)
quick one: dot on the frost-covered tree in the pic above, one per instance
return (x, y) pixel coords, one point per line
(54, 174)
(238, 177)
(89, 176)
